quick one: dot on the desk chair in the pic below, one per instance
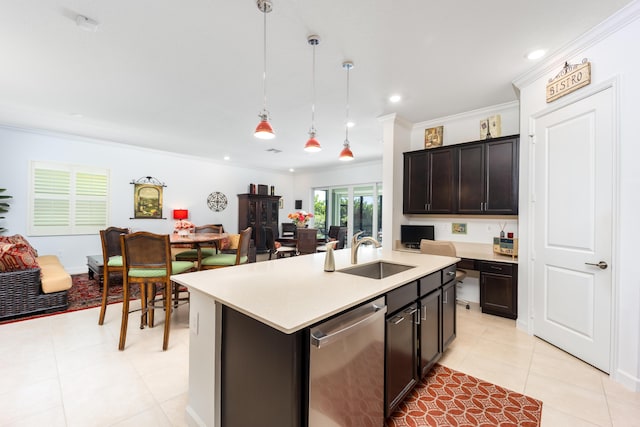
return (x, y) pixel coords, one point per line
(444, 248)
(307, 241)
(147, 262)
(206, 249)
(241, 255)
(111, 262)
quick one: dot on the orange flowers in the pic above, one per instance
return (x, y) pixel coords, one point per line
(300, 218)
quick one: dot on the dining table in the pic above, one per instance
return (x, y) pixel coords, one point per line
(197, 240)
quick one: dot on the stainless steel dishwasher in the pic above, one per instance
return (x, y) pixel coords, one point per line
(346, 369)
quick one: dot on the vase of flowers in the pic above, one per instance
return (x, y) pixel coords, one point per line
(300, 218)
(183, 227)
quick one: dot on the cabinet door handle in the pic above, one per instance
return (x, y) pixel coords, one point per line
(451, 273)
(445, 297)
(396, 319)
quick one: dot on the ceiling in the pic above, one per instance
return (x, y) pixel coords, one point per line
(186, 76)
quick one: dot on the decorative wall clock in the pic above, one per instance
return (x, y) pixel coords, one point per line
(217, 201)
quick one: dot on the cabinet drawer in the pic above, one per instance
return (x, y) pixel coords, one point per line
(496, 267)
(430, 283)
(402, 296)
(467, 264)
(448, 274)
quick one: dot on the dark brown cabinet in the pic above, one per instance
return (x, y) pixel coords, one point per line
(487, 178)
(448, 314)
(499, 289)
(421, 323)
(258, 211)
(430, 330)
(429, 178)
(474, 178)
(401, 355)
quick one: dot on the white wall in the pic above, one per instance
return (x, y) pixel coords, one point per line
(189, 181)
(609, 48)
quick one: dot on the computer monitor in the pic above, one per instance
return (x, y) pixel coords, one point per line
(410, 235)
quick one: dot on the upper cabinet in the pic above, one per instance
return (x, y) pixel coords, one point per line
(429, 181)
(476, 178)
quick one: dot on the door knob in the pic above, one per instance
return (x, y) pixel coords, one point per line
(601, 265)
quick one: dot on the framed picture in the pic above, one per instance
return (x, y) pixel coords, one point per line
(147, 201)
(458, 228)
(433, 137)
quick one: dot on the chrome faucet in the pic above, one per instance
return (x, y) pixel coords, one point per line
(355, 244)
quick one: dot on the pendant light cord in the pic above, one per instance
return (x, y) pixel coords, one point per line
(264, 73)
(346, 124)
(313, 85)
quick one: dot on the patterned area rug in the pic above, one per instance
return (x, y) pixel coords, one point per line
(450, 398)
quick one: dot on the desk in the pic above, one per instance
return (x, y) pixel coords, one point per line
(498, 276)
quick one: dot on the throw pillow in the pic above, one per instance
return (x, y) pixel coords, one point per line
(19, 239)
(16, 256)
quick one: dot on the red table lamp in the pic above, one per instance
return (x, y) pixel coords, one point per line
(180, 214)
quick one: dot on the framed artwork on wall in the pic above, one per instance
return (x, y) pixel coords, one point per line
(147, 198)
(433, 137)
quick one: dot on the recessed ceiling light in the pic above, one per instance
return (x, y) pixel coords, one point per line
(350, 124)
(292, 170)
(536, 54)
(395, 98)
(86, 23)
(227, 158)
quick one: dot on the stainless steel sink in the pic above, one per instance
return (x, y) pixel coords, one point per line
(376, 270)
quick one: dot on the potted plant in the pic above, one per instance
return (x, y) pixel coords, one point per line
(4, 207)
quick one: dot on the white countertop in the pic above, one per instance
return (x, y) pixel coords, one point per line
(289, 294)
(472, 250)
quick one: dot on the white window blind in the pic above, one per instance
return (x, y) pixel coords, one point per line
(68, 199)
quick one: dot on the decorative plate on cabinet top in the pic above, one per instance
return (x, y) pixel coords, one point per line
(217, 201)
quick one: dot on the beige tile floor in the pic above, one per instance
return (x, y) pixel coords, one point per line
(65, 370)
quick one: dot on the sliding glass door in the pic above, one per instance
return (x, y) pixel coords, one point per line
(359, 208)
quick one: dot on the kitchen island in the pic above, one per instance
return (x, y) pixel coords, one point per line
(284, 297)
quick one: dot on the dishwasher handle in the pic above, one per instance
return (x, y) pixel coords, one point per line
(320, 338)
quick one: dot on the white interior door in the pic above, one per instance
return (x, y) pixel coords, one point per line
(572, 207)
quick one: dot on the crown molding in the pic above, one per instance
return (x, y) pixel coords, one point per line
(611, 25)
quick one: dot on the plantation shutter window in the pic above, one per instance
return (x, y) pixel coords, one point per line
(68, 199)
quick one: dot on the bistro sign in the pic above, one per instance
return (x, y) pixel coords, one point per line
(571, 78)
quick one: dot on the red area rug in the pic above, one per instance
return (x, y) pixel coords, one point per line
(450, 398)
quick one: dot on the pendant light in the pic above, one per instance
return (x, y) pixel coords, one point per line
(312, 145)
(264, 129)
(346, 155)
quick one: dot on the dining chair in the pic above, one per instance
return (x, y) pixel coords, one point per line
(289, 230)
(147, 262)
(307, 241)
(207, 249)
(219, 260)
(111, 262)
(444, 248)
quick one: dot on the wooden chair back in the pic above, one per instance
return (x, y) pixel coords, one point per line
(289, 229)
(243, 244)
(307, 240)
(144, 250)
(110, 239)
(208, 228)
